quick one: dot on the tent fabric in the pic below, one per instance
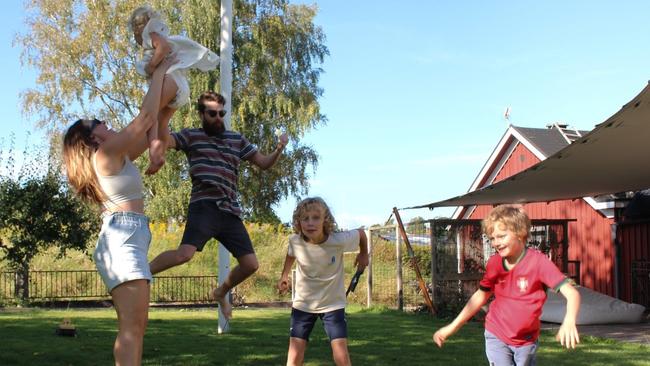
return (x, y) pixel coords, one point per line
(614, 157)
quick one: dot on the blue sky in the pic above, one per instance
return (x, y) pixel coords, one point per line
(415, 92)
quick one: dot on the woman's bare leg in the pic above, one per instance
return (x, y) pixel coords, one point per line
(131, 301)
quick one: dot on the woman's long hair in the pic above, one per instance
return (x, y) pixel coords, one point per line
(78, 150)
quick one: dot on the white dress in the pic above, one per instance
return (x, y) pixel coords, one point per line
(188, 53)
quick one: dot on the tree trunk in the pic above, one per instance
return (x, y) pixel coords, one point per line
(21, 290)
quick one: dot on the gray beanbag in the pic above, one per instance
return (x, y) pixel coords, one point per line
(595, 308)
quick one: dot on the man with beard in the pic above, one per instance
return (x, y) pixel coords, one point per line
(214, 155)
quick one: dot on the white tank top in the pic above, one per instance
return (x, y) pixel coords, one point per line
(123, 186)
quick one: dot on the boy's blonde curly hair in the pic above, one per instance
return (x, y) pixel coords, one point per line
(513, 217)
(329, 225)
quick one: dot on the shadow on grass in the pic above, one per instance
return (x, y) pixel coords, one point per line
(260, 337)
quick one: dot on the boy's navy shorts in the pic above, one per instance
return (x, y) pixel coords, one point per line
(206, 221)
(334, 322)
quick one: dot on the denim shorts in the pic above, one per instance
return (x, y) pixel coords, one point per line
(501, 354)
(122, 246)
(334, 322)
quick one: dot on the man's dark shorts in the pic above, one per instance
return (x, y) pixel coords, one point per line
(205, 221)
(334, 322)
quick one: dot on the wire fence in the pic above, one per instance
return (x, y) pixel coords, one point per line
(451, 256)
(394, 282)
(87, 285)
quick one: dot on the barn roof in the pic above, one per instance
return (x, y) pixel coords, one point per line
(547, 140)
(613, 157)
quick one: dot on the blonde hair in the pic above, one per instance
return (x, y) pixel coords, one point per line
(513, 217)
(78, 150)
(141, 16)
(329, 224)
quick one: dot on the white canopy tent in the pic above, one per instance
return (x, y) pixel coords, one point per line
(614, 157)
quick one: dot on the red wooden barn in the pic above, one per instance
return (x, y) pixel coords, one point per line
(590, 235)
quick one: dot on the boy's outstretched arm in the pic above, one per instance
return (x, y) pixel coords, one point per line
(283, 283)
(473, 305)
(568, 333)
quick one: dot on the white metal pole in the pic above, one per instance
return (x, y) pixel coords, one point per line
(225, 67)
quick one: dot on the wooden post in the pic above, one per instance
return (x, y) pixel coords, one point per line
(434, 259)
(369, 276)
(411, 253)
(398, 254)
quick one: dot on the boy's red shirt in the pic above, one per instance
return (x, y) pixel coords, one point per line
(519, 294)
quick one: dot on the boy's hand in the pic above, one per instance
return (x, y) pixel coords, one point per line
(442, 334)
(361, 261)
(283, 285)
(568, 336)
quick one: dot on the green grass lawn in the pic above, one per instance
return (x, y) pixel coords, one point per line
(260, 337)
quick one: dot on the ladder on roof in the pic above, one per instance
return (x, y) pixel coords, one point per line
(569, 134)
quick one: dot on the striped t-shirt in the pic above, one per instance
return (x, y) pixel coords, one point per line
(214, 165)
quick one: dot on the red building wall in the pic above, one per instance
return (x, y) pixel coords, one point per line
(590, 237)
(633, 241)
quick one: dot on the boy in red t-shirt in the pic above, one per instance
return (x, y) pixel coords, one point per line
(518, 277)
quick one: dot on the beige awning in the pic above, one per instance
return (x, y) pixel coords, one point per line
(614, 157)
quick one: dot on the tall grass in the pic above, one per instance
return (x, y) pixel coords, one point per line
(270, 243)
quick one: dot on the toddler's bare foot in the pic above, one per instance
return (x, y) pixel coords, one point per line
(224, 304)
(156, 156)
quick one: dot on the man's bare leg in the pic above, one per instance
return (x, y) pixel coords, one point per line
(247, 266)
(172, 258)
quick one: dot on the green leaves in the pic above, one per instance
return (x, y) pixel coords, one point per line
(39, 213)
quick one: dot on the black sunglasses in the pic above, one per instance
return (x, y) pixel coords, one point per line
(213, 113)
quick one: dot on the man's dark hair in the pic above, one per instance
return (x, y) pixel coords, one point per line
(211, 96)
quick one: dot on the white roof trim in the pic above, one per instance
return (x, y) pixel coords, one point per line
(528, 145)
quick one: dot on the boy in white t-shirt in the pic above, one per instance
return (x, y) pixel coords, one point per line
(319, 288)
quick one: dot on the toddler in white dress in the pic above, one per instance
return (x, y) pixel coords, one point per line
(152, 34)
